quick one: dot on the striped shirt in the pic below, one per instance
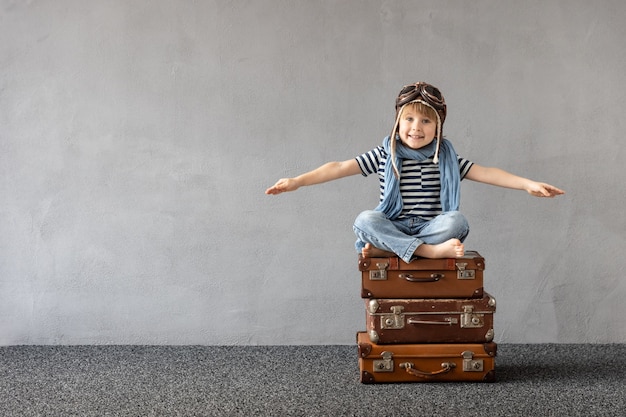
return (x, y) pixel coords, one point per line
(420, 186)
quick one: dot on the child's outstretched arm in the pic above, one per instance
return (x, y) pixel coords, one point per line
(501, 178)
(327, 172)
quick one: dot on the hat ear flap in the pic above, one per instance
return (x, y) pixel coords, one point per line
(436, 157)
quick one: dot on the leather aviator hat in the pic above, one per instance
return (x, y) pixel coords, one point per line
(428, 95)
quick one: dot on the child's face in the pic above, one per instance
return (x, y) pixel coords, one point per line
(416, 130)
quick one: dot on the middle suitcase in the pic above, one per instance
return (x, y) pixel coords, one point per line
(398, 321)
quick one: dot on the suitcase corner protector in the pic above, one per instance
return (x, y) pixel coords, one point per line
(364, 263)
(364, 349)
(490, 376)
(367, 378)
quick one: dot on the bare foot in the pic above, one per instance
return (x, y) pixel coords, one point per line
(452, 248)
(370, 251)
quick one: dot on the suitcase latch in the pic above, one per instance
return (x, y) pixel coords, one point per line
(395, 320)
(381, 273)
(385, 364)
(463, 273)
(471, 320)
(470, 364)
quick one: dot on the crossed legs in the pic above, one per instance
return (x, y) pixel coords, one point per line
(441, 237)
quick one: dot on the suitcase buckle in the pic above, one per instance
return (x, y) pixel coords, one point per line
(471, 320)
(381, 273)
(470, 364)
(463, 273)
(385, 364)
(395, 320)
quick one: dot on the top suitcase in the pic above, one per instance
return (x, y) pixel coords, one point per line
(423, 278)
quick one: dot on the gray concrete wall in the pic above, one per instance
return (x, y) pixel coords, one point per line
(137, 139)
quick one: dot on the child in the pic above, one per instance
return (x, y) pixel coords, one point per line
(419, 174)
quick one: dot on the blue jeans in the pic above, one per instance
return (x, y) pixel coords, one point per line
(403, 236)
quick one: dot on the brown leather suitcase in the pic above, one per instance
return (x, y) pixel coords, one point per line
(468, 362)
(434, 320)
(423, 278)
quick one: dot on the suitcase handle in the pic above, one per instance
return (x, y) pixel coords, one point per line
(448, 322)
(432, 278)
(410, 369)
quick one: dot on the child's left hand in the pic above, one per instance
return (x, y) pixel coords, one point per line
(541, 189)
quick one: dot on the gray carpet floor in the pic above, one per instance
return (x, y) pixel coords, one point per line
(541, 380)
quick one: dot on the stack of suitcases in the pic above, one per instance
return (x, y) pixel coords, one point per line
(429, 320)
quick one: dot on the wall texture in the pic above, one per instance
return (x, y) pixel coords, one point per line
(137, 139)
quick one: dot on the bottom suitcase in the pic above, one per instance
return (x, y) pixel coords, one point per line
(425, 362)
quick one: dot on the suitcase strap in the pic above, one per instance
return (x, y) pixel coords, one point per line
(410, 369)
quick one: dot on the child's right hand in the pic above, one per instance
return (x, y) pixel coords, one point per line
(283, 185)
(327, 172)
